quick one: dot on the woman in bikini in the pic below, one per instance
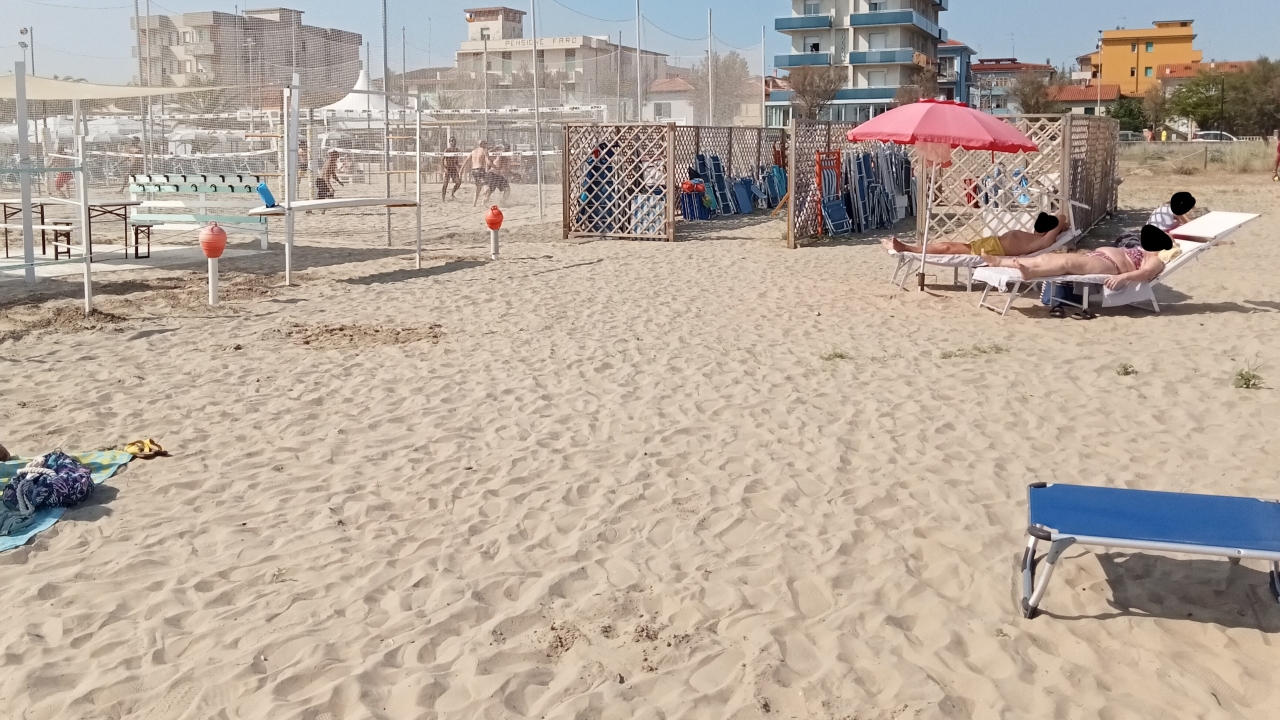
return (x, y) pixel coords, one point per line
(1123, 265)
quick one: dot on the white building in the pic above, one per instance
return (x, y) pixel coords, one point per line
(591, 67)
(877, 45)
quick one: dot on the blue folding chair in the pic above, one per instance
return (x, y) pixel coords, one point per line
(835, 218)
(1064, 515)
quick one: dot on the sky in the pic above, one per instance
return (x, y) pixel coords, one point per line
(92, 39)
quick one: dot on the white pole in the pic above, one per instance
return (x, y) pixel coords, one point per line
(711, 74)
(213, 281)
(493, 244)
(764, 81)
(386, 117)
(537, 115)
(924, 245)
(639, 69)
(485, 68)
(24, 173)
(286, 107)
(417, 164)
(82, 192)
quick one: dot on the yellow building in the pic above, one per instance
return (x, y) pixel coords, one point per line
(1129, 58)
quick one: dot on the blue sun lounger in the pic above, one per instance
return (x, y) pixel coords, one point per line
(1063, 515)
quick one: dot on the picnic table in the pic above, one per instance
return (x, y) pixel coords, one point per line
(12, 208)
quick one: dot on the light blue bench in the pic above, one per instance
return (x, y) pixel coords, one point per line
(222, 198)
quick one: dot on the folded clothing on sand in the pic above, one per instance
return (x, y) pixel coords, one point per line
(36, 493)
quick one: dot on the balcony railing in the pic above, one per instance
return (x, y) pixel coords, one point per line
(801, 60)
(898, 17)
(802, 22)
(897, 56)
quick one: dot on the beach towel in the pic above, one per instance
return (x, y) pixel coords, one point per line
(101, 464)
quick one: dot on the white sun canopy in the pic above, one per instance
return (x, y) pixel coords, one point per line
(39, 88)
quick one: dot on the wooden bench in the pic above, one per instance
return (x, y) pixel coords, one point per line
(233, 195)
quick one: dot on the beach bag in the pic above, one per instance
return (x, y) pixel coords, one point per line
(50, 481)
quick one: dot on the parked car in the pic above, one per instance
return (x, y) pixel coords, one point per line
(1213, 136)
(1130, 136)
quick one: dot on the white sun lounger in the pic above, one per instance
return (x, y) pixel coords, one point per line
(997, 223)
(1216, 525)
(1195, 238)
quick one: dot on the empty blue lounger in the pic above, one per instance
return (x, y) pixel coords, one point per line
(1233, 527)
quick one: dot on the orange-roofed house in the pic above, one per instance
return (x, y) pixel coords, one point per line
(1173, 75)
(1094, 99)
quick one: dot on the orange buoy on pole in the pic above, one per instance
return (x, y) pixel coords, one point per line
(493, 219)
(213, 240)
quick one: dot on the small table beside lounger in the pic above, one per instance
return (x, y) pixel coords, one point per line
(1218, 525)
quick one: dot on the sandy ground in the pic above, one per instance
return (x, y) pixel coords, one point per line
(708, 479)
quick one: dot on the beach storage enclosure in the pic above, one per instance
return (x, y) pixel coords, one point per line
(617, 178)
(983, 193)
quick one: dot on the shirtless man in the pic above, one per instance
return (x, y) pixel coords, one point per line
(499, 169)
(1011, 244)
(478, 161)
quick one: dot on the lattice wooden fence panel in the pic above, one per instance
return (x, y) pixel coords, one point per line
(1094, 142)
(617, 181)
(742, 149)
(807, 139)
(985, 193)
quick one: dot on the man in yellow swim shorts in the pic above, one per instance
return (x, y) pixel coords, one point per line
(1014, 243)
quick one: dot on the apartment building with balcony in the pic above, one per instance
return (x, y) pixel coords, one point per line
(954, 61)
(1130, 58)
(258, 49)
(878, 46)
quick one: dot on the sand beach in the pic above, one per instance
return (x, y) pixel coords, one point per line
(607, 479)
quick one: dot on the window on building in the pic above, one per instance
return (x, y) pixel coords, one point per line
(484, 34)
(1088, 111)
(661, 110)
(877, 6)
(506, 63)
(877, 41)
(1133, 47)
(812, 7)
(1151, 47)
(877, 78)
(570, 60)
(1133, 72)
(1148, 72)
(812, 44)
(188, 66)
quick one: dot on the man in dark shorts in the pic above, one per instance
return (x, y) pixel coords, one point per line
(478, 161)
(499, 169)
(452, 171)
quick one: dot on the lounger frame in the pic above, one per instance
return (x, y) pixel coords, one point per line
(1033, 589)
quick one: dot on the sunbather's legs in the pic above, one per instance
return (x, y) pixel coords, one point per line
(935, 248)
(1056, 264)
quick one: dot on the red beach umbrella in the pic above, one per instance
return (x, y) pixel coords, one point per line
(938, 127)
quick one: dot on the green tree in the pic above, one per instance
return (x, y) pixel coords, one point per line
(1129, 113)
(1202, 100)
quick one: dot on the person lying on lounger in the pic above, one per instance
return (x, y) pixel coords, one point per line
(1168, 217)
(1123, 265)
(1011, 244)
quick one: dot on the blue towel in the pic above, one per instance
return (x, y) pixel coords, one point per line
(103, 464)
